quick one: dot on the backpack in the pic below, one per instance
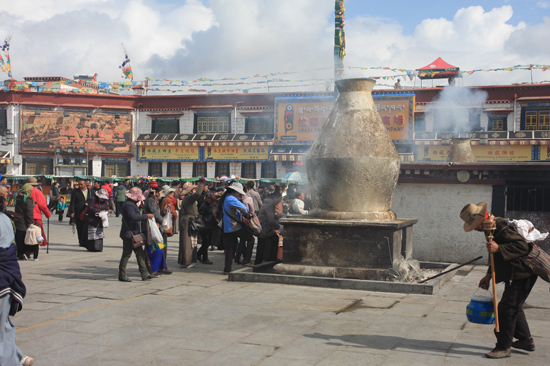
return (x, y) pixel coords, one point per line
(537, 259)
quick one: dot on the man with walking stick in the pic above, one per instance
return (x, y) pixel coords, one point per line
(506, 246)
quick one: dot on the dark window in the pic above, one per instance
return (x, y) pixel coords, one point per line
(222, 169)
(174, 169)
(248, 170)
(199, 169)
(474, 119)
(269, 169)
(498, 123)
(535, 119)
(166, 125)
(155, 169)
(528, 199)
(419, 123)
(259, 124)
(38, 167)
(212, 123)
(3, 119)
(116, 169)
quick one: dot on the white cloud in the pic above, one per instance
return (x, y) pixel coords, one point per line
(231, 38)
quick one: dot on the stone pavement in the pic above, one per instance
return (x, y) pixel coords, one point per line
(77, 312)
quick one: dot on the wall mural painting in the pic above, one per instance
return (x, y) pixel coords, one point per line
(103, 132)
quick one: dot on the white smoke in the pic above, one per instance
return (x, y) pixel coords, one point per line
(457, 109)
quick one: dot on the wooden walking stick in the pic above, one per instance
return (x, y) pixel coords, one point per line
(489, 226)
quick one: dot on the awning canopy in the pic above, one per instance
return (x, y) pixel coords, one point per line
(438, 69)
(288, 153)
(5, 157)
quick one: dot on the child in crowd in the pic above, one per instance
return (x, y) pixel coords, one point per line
(61, 205)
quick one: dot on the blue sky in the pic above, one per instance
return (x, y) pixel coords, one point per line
(191, 39)
(410, 13)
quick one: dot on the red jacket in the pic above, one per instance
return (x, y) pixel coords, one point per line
(40, 205)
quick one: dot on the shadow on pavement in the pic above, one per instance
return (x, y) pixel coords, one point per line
(382, 342)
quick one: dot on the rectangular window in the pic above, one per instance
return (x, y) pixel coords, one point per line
(3, 119)
(544, 120)
(474, 119)
(199, 169)
(531, 199)
(419, 123)
(259, 124)
(212, 123)
(531, 120)
(116, 169)
(248, 170)
(155, 169)
(269, 169)
(496, 125)
(166, 125)
(38, 167)
(222, 169)
(174, 169)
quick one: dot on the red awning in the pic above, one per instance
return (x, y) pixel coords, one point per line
(438, 69)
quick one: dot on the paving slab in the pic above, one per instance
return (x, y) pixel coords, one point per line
(77, 312)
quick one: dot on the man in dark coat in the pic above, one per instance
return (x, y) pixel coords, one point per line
(54, 196)
(78, 204)
(507, 246)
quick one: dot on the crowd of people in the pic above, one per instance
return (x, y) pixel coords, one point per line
(171, 209)
(205, 217)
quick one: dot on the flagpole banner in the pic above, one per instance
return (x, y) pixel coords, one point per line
(44, 129)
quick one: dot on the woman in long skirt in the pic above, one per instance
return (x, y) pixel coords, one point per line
(187, 255)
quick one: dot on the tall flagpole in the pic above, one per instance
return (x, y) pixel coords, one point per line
(339, 40)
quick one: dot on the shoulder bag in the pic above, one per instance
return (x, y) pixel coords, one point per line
(195, 224)
(138, 240)
(251, 224)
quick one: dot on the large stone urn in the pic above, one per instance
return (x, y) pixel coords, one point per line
(461, 151)
(353, 165)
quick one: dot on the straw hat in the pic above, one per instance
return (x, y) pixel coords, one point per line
(102, 193)
(237, 187)
(187, 187)
(473, 215)
(135, 194)
(32, 181)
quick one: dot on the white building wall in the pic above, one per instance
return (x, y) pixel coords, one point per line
(438, 236)
(13, 113)
(187, 170)
(239, 122)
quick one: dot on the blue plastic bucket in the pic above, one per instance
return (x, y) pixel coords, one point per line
(481, 310)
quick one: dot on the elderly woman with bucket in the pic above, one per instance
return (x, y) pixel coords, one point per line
(507, 246)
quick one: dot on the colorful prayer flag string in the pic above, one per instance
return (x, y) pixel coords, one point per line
(6, 67)
(126, 67)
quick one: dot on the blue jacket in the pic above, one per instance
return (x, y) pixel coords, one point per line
(131, 220)
(232, 206)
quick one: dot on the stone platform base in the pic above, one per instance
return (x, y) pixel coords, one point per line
(346, 243)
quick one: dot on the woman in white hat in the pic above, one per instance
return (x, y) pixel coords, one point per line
(187, 256)
(231, 210)
(168, 204)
